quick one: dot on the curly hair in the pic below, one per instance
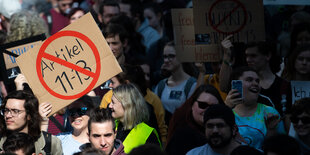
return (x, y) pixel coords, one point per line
(25, 24)
(134, 105)
(31, 106)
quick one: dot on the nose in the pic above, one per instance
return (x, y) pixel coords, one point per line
(102, 142)
(110, 105)
(111, 85)
(215, 129)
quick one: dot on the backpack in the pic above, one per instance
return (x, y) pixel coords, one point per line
(187, 88)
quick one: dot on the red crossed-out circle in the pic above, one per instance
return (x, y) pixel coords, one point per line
(42, 54)
(215, 27)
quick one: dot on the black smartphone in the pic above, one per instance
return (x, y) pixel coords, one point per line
(237, 84)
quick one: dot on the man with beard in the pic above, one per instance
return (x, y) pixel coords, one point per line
(56, 18)
(20, 110)
(220, 130)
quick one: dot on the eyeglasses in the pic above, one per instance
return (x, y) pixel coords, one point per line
(169, 56)
(202, 105)
(14, 112)
(304, 120)
(79, 111)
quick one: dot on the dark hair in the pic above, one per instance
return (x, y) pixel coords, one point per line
(220, 111)
(268, 48)
(183, 115)
(238, 72)
(149, 149)
(281, 145)
(98, 115)
(134, 74)
(90, 151)
(115, 29)
(289, 71)
(86, 100)
(301, 106)
(17, 141)
(156, 8)
(31, 106)
(295, 32)
(74, 10)
(107, 3)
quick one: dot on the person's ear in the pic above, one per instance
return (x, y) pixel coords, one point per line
(125, 44)
(100, 18)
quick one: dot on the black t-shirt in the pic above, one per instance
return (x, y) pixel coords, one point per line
(278, 88)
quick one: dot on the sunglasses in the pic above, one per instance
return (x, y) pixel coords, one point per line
(202, 105)
(304, 120)
(78, 111)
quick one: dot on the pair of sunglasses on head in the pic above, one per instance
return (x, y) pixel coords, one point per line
(77, 111)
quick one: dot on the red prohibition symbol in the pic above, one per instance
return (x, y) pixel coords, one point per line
(43, 54)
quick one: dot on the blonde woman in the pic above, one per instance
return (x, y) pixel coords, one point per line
(129, 109)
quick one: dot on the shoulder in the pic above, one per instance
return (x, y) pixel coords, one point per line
(64, 135)
(197, 150)
(268, 109)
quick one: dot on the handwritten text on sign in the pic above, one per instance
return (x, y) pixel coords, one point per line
(10, 61)
(215, 19)
(67, 66)
(300, 89)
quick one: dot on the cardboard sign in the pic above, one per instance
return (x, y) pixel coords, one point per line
(215, 19)
(10, 61)
(9, 52)
(300, 89)
(286, 2)
(184, 34)
(69, 64)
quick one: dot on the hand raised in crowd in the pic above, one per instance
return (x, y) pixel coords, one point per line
(19, 81)
(271, 121)
(233, 98)
(45, 108)
(227, 44)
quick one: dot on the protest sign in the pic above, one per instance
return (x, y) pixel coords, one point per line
(69, 64)
(184, 34)
(286, 2)
(9, 52)
(215, 19)
(300, 89)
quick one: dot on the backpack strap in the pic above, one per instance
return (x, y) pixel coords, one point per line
(56, 122)
(161, 86)
(48, 142)
(188, 85)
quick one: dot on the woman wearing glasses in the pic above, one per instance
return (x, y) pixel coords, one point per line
(129, 109)
(78, 116)
(186, 126)
(174, 90)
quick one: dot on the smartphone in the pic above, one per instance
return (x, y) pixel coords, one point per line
(237, 84)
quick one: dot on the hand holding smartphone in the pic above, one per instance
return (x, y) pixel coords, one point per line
(237, 84)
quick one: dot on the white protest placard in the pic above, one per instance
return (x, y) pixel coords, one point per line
(69, 64)
(300, 89)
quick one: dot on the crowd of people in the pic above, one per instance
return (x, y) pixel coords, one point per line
(158, 104)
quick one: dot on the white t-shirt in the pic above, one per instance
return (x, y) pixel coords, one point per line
(174, 97)
(69, 145)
